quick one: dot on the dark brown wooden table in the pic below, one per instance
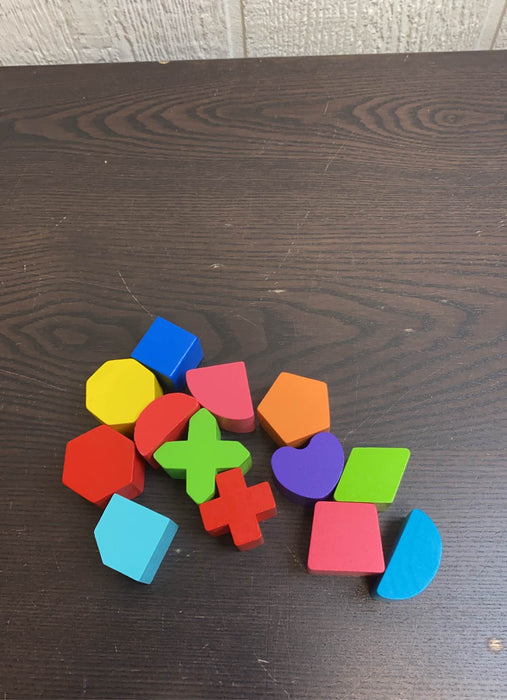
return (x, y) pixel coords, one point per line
(342, 218)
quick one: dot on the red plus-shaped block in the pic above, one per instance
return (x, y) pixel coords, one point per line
(238, 509)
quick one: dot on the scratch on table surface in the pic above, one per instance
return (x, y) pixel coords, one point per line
(256, 325)
(33, 379)
(284, 259)
(333, 158)
(310, 294)
(218, 607)
(16, 184)
(262, 663)
(56, 561)
(356, 393)
(299, 225)
(64, 218)
(402, 396)
(384, 413)
(133, 296)
(295, 558)
(313, 285)
(338, 150)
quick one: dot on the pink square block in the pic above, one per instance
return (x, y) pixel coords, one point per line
(345, 540)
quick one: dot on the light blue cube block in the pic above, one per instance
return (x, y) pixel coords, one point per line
(169, 351)
(133, 539)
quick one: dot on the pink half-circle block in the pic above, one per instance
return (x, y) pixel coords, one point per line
(225, 392)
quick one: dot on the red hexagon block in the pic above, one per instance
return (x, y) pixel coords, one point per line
(102, 462)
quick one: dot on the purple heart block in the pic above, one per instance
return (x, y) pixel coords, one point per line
(311, 473)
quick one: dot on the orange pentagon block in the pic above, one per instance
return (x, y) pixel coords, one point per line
(102, 462)
(294, 409)
(118, 391)
(163, 420)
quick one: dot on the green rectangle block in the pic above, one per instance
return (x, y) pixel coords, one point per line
(372, 475)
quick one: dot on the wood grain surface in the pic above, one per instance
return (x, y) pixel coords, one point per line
(342, 218)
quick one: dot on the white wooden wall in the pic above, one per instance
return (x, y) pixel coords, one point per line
(74, 31)
(501, 38)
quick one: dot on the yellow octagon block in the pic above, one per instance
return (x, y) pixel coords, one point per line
(119, 391)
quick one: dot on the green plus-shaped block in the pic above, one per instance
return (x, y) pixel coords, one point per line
(372, 475)
(199, 458)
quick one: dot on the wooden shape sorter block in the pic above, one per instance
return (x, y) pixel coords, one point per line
(102, 462)
(225, 392)
(133, 539)
(170, 351)
(294, 409)
(199, 458)
(238, 509)
(345, 540)
(414, 561)
(118, 391)
(309, 474)
(163, 420)
(372, 475)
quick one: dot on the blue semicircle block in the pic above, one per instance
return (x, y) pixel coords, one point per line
(414, 560)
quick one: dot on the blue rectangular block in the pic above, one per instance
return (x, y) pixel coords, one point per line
(133, 539)
(169, 351)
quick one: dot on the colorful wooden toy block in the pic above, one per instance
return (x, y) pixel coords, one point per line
(414, 561)
(133, 539)
(345, 540)
(225, 392)
(238, 509)
(311, 473)
(372, 475)
(294, 409)
(102, 462)
(199, 458)
(170, 351)
(163, 420)
(118, 391)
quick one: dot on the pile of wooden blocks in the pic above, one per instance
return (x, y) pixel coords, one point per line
(146, 416)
